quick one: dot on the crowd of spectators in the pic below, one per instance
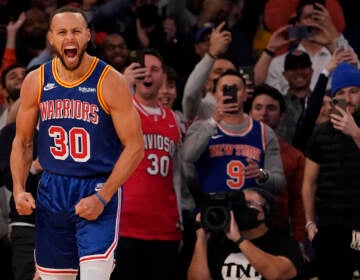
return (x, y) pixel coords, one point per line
(287, 77)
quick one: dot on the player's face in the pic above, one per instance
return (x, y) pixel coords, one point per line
(167, 92)
(266, 109)
(149, 87)
(352, 97)
(69, 35)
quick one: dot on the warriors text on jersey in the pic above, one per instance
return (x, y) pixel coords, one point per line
(75, 124)
(150, 210)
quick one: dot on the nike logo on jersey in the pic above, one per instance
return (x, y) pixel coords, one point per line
(171, 125)
(217, 136)
(49, 86)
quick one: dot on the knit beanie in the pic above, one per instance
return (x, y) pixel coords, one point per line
(344, 75)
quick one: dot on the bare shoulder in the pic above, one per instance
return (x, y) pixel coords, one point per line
(115, 89)
(31, 87)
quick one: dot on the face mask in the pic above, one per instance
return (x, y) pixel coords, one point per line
(247, 218)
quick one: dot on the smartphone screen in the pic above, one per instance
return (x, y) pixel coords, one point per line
(138, 57)
(338, 102)
(230, 90)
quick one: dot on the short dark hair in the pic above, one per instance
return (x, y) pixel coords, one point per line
(154, 52)
(171, 73)
(270, 91)
(7, 70)
(69, 9)
(229, 72)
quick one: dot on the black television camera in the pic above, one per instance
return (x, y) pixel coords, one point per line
(215, 210)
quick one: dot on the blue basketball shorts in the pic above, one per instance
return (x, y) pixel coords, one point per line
(62, 238)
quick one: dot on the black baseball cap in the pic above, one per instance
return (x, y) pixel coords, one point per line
(297, 59)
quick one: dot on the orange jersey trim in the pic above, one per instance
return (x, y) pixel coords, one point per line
(82, 79)
(41, 82)
(263, 136)
(99, 91)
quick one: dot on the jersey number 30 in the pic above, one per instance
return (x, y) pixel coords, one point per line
(75, 143)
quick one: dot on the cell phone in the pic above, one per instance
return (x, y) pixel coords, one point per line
(230, 90)
(138, 57)
(338, 102)
(341, 43)
(300, 32)
(247, 72)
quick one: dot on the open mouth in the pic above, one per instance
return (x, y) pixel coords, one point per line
(148, 84)
(70, 52)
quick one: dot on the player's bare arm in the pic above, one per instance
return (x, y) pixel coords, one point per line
(128, 127)
(22, 148)
(117, 96)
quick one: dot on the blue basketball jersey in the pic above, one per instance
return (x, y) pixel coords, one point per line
(76, 133)
(220, 168)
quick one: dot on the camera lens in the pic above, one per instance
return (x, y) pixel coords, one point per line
(216, 218)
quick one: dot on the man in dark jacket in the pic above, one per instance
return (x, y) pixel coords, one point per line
(331, 179)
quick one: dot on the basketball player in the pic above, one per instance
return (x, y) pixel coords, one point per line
(90, 142)
(150, 231)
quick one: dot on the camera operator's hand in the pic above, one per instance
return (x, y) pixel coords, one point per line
(233, 232)
(201, 233)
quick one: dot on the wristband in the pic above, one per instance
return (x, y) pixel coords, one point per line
(102, 200)
(240, 240)
(308, 224)
(269, 52)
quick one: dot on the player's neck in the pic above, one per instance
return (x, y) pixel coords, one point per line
(75, 74)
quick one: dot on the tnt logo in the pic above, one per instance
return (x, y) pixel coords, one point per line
(237, 266)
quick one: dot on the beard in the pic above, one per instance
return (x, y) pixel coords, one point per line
(14, 94)
(62, 60)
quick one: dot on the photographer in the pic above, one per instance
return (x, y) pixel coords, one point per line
(251, 250)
